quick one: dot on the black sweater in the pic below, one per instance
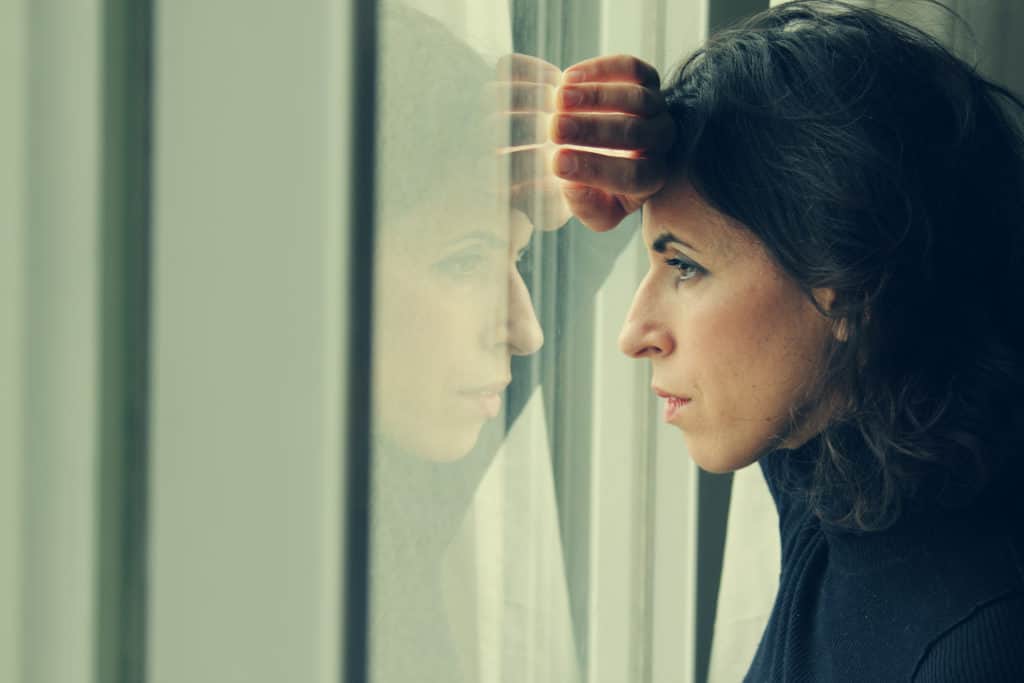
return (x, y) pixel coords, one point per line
(938, 597)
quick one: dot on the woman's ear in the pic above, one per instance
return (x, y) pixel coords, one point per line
(826, 297)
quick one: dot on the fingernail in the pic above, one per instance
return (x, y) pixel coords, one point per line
(574, 76)
(566, 163)
(572, 97)
(567, 128)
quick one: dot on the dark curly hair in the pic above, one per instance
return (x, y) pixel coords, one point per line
(872, 161)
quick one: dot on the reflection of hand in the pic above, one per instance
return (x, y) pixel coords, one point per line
(613, 104)
(526, 88)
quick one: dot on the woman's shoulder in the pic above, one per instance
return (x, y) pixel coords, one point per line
(987, 645)
(931, 605)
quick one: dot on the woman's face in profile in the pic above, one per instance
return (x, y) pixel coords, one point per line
(451, 311)
(734, 345)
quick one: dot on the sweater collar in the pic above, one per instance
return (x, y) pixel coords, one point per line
(918, 524)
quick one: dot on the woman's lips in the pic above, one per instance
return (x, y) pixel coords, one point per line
(486, 399)
(673, 403)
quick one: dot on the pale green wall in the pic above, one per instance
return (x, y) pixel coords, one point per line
(245, 482)
(12, 160)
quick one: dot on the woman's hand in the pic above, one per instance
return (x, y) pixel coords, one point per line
(525, 95)
(614, 107)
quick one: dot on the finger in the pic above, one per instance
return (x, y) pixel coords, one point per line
(523, 128)
(521, 96)
(532, 97)
(616, 175)
(615, 68)
(528, 165)
(542, 202)
(520, 67)
(595, 208)
(626, 98)
(613, 131)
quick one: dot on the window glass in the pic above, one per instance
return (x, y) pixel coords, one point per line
(174, 450)
(467, 576)
(511, 529)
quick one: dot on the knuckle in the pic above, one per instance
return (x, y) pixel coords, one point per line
(649, 102)
(584, 128)
(632, 132)
(593, 96)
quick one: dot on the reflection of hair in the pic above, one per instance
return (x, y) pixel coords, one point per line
(870, 160)
(433, 131)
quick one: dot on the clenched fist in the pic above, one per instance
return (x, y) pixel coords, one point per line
(616, 132)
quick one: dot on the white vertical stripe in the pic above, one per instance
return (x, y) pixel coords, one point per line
(335, 189)
(62, 429)
(619, 526)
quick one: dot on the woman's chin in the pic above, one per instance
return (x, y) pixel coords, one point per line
(718, 458)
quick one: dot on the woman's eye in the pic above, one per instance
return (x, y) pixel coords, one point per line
(462, 265)
(687, 270)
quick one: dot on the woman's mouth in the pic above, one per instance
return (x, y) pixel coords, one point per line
(486, 399)
(673, 404)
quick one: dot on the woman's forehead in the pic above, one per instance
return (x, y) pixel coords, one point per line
(680, 211)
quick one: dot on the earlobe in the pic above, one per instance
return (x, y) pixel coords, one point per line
(840, 330)
(825, 298)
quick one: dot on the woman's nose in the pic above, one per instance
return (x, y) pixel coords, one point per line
(525, 335)
(643, 335)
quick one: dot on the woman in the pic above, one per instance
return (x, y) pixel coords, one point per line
(834, 209)
(451, 310)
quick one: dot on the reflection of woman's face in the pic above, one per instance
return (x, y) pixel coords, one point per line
(723, 327)
(451, 310)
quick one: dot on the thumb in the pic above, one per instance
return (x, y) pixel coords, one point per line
(597, 209)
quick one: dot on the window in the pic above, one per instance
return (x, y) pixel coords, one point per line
(178, 295)
(516, 538)
(274, 283)
(275, 407)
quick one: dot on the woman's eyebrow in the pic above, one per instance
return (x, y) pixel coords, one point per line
(661, 242)
(489, 239)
